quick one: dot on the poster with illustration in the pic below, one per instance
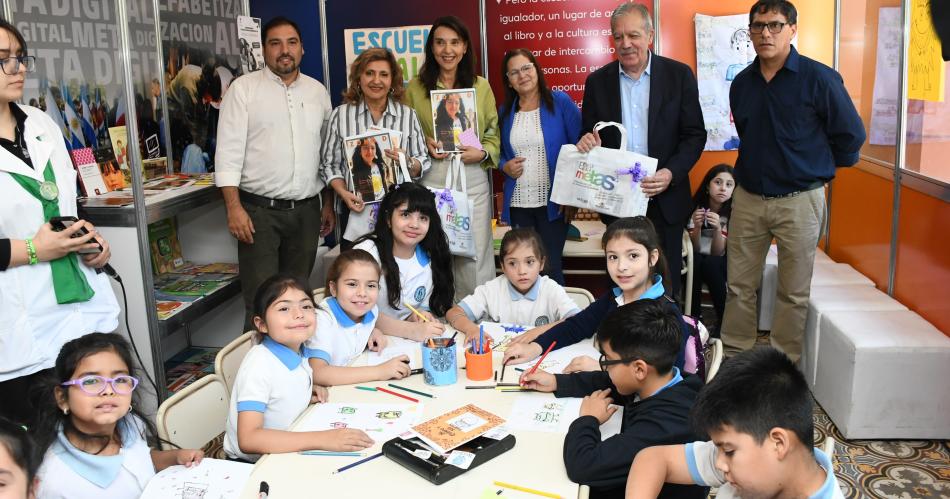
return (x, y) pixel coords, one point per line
(249, 34)
(372, 173)
(723, 49)
(454, 117)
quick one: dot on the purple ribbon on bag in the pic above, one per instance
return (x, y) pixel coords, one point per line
(445, 196)
(636, 173)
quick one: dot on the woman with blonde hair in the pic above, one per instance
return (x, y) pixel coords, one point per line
(372, 100)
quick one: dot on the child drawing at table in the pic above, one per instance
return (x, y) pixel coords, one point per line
(95, 437)
(274, 384)
(346, 325)
(708, 230)
(635, 263)
(413, 253)
(520, 296)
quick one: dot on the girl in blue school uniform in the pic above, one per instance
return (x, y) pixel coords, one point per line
(346, 325)
(274, 384)
(520, 296)
(95, 439)
(413, 253)
(636, 265)
(19, 462)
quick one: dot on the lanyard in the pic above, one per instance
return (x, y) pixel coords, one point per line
(69, 283)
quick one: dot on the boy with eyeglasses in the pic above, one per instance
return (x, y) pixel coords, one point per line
(639, 342)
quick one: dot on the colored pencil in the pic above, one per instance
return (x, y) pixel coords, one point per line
(480, 387)
(507, 389)
(526, 489)
(520, 370)
(331, 453)
(546, 352)
(361, 461)
(415, 371)
(509, 384)
(481, 338)
(367, 388)
(503, 366)
(418, 313)
(410, 390)
(396, 394)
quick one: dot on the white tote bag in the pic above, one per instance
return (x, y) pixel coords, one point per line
(603, 180)
(455, 210)
(364, 222)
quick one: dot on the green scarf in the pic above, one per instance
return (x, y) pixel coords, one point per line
(69, 283)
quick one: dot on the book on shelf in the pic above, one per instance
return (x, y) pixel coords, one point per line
(207, 268)
(111, 173)
(90, 177)
(191, 287)
(164, 245)
(188, 366)
(188, 284)
(168, 309)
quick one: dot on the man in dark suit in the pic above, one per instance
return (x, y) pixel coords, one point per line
(657, 101)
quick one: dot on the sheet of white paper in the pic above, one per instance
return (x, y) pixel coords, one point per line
(394, 348)
(381, 422)
(211, 479)
(542, 412)
(502, 334)
(557, 360)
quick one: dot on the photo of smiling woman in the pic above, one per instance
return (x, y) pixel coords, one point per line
(450, 64)
(367, 169)
(451, 118)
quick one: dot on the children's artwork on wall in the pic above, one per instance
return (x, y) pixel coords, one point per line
(210, 479)
(381, 422)
(723, 49)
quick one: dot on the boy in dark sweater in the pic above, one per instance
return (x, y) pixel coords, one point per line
(638, 343)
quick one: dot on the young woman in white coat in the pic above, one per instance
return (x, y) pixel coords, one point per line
(49, 293)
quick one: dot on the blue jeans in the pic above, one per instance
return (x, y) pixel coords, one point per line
(553, 234)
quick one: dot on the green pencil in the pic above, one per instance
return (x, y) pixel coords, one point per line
(410, 390)
(367, 388)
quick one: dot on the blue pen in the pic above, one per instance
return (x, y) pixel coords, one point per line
(361, 461)
(481, 339)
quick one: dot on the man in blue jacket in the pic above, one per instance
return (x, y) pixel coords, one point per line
(796, 123)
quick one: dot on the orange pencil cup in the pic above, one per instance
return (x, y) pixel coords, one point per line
(478, 366)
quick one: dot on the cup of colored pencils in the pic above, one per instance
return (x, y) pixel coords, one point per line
(478, 358)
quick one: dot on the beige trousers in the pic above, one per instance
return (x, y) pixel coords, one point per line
(470, 273)
(795, 222)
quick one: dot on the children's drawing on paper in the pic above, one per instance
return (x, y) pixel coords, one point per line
(502, 334)
(210, 479)
(385, 420)
(537, 412)
(467, 422)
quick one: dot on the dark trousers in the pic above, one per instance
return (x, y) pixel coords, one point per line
(671, 242)
(18, 401)
(553, 235)
(710, 270)
(284, 241)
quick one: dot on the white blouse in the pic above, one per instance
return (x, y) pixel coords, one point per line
(533, 187)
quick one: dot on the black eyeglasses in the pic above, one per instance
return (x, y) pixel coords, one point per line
(775, 27)
(11, 65)
(604, 363)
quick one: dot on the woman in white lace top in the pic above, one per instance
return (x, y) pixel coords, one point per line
(535, 123)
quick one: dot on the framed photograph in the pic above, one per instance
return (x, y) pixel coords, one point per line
(372, 174)
(453, 114)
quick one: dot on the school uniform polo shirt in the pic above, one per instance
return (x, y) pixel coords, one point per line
(68, 472)
(655, 291)
(415, 279)
(498, 301)
(273, 380)
(701, 461)
(339, 339)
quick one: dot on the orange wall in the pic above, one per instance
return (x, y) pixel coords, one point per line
(861, 208)
(678, 41)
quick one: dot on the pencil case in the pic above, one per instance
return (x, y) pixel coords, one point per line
(435, 469)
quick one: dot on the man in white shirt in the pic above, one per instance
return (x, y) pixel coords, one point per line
(267, 163)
